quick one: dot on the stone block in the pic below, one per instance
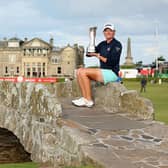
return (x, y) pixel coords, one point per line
(116, 98)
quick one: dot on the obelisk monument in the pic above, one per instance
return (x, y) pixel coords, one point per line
(128, 58)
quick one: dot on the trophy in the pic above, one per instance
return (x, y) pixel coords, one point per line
(92, 34)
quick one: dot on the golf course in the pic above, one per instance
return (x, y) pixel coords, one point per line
(158, 94)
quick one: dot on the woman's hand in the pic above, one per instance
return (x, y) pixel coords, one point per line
(97, 55)
(92, 54)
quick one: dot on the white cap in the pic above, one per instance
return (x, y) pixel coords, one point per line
(109, 26)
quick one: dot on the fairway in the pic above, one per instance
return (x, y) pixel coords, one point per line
(158, 94)
(21, 165)
(31, 165)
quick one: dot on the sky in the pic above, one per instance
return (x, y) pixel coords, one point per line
(68, 22)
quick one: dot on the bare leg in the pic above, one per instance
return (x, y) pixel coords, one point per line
(85, 75)
(80, 82)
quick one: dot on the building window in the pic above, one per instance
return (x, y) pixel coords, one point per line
(55, 59)
(34, 72)
(59, 70)
(17, 70)
(68, 62)
(6, 69)
(28, 72)
(38, 69)
(44, 69)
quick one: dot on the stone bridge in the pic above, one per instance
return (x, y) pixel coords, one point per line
(117, 133)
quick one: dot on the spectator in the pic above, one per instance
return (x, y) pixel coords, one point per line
(143, 84)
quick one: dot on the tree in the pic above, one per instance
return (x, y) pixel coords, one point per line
(161, 58)
(139, 63)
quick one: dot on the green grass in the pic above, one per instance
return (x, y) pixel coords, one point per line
(31, 165)
(158, 94)
(19, 165)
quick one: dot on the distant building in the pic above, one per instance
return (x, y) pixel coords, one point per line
(163, 67)
(128, 73)
(129, 58)
(38, 58)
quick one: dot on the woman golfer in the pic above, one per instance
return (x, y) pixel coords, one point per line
(108, 52)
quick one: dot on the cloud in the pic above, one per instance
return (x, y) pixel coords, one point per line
(131, 16)
(69, 20)
(21, 16)
(128, 15)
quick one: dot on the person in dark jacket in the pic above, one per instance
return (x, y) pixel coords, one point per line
(143, 84)
(108, 52)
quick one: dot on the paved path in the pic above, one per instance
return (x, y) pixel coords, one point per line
(120, 141)
(98, 119)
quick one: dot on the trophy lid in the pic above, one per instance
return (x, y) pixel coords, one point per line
(93, 28)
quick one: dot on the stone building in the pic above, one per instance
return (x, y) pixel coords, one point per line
(38, 58)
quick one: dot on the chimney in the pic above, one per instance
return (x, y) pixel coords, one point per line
(5, 38)
(25, 39)
(51, 41)
(76, 45)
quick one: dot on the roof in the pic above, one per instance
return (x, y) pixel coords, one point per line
(57, 49)
(14, 39)
(36, 38)
(3, 44)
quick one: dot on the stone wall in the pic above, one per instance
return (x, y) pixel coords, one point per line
(32, 112)
(113, 97)
(116, 98)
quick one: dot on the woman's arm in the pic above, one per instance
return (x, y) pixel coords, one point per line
(103, 59)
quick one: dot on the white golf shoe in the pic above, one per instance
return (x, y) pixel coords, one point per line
(82, 102)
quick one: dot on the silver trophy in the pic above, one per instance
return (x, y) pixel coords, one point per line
(92, 34)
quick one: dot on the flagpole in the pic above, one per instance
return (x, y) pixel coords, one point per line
(156, 44)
